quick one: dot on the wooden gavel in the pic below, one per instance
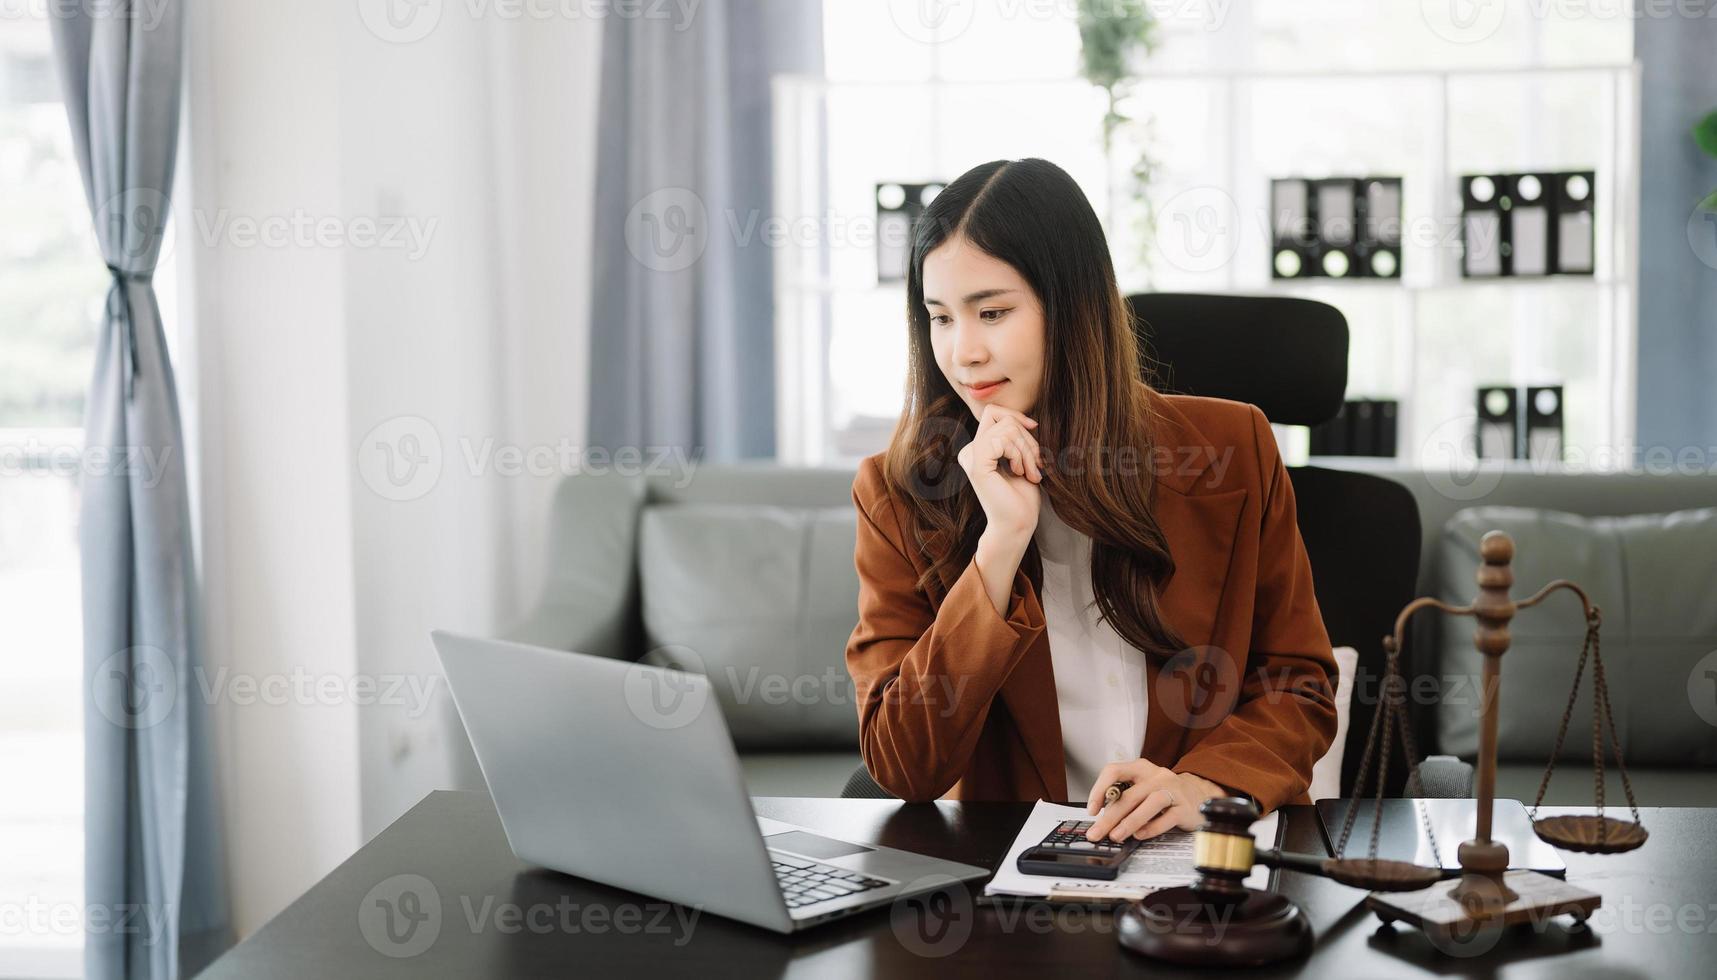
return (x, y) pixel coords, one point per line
(1218, 921)
(1224, 853)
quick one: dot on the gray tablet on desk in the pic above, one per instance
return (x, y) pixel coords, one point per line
(1402, 836)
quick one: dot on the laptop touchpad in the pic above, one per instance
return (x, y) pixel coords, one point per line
(810, 845)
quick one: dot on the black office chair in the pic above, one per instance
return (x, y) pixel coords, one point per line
(1288, 356)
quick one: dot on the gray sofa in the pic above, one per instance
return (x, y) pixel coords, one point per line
(741, 567)
(745, 573)
(1654, 584)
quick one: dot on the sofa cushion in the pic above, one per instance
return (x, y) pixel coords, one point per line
(1649, 574)
(794, 772)
(1652, 785)
(761, 599)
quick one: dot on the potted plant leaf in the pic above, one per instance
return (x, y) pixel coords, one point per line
(1705, 134)
(1113, 39)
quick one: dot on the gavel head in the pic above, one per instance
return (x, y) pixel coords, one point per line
(1223, 848)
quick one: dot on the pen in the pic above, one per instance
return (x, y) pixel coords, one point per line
(1115, 790)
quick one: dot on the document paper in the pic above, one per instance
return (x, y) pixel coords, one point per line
(1161, 862)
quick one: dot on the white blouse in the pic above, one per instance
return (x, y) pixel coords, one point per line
(1099, 677)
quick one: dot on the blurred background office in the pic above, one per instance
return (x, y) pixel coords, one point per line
(415, 260)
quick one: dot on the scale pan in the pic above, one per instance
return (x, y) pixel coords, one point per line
(1590, 833)
(1379, 875)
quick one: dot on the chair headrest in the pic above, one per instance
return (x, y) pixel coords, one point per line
(1285, 354)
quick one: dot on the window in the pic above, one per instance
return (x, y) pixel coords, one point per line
(52, 286)
(1235, 95)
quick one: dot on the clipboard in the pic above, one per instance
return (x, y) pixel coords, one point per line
(1162, 862)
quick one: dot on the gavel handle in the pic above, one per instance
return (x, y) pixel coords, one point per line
(1309, 863)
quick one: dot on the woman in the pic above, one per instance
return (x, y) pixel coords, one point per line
(1066, 578)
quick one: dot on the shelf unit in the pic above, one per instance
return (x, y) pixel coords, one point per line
(1408, 334)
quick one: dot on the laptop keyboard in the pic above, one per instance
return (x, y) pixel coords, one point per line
(807, 882)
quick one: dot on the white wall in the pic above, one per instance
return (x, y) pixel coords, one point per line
(479, 137)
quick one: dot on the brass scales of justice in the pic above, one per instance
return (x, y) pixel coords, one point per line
(1217, 920)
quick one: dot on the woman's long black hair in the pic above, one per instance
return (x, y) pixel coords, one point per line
(1093, 411)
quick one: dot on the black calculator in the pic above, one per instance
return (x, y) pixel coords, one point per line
(1065, 853)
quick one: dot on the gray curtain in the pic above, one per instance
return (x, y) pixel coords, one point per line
(682, 332)
(1677, 242)
(154, 884)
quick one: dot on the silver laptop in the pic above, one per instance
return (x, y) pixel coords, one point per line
(624, 773)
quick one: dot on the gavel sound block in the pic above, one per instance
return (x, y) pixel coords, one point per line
(1217, 920)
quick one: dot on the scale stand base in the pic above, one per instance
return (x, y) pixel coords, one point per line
(1536, 898)
(1179, 925)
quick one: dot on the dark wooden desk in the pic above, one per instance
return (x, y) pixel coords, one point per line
(498, 918)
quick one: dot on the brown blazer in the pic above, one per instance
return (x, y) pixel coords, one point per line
(955, 700)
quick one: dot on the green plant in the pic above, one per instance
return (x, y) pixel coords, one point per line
(1705, 134)
(1114, 36)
